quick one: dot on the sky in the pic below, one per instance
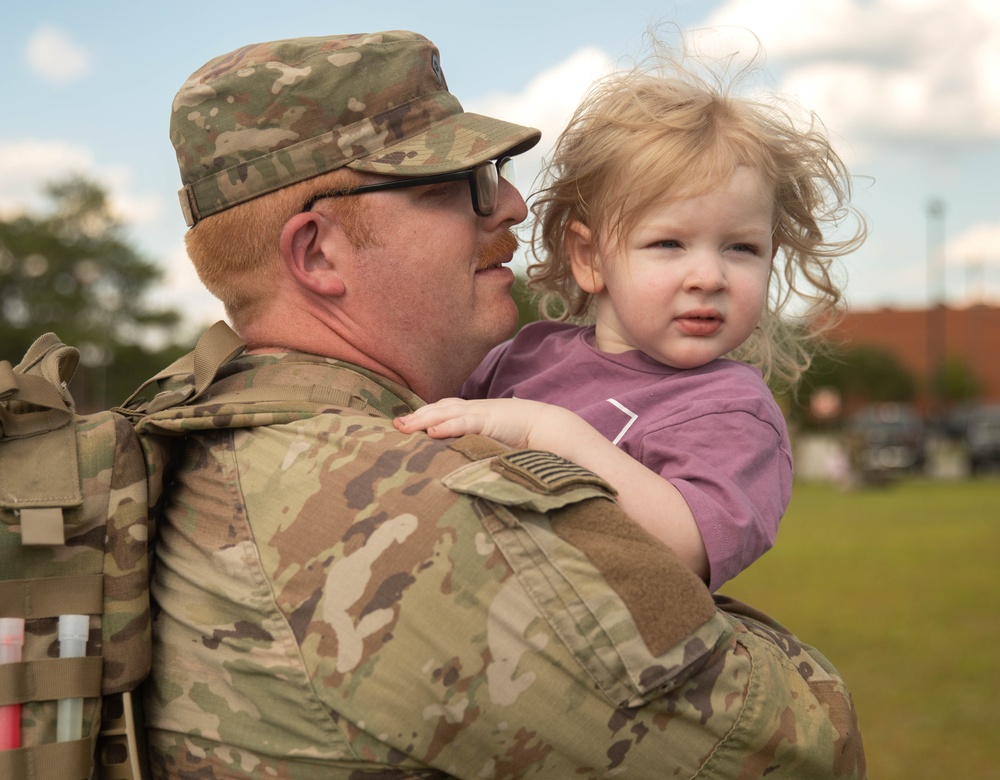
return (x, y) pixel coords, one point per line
(908, 89)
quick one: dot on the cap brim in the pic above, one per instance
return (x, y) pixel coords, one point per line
(452, 144)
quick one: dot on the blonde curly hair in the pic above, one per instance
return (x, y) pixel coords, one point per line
(642, 135)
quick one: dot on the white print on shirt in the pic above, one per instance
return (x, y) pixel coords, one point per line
(632, 418)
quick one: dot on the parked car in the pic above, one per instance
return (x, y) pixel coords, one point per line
(982, 437)
(886, 439)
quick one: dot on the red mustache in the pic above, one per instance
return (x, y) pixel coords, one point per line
(497, 250)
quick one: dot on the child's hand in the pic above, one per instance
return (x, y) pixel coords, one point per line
(513, 421)
(651, 500)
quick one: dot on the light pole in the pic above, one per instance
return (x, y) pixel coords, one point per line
(935, 303)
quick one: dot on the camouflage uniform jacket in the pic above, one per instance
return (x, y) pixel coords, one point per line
(335, 599)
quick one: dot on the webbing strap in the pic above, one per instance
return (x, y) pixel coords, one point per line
(39, 380)
(319, 394)
(56, 361)
(52, 761)
(51, 679)
(52, 596)
(216, 347)
(36, 391)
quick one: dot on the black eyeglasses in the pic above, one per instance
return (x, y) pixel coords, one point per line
(484, 183)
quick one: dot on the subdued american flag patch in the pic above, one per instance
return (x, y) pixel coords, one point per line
(547, 471)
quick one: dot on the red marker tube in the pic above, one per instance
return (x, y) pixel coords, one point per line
(11, 641)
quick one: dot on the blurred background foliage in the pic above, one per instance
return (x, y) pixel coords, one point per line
(72, 270)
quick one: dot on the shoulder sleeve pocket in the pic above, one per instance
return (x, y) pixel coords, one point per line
(637, 620)
(533, 479)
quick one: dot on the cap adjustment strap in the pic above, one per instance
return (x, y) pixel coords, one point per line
(189, 205)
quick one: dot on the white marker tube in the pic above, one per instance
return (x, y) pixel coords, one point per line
(73, 631)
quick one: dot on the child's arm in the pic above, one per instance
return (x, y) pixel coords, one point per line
(646, 496)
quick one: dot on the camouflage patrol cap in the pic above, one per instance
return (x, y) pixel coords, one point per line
(272, 114)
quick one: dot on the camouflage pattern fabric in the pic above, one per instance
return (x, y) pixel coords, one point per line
(334, 599)
(272, 114)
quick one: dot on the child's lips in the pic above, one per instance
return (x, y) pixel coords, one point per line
(699, 323)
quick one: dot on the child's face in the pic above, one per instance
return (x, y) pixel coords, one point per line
(690, 282)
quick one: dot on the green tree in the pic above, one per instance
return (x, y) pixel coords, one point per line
(955, 382)
(527, 305)
(862, 374)
(73, 271)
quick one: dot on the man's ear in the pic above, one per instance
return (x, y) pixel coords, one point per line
(309, 253)
(583, 257)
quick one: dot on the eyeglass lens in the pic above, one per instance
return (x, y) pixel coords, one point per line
(486, 187)
(486, 184)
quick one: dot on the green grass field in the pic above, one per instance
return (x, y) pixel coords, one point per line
(899, 586)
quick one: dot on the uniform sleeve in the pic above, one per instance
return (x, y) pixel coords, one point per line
(530, 627)
(398, 606)
(734, 469)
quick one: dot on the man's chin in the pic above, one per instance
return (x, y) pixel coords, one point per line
(503, 319)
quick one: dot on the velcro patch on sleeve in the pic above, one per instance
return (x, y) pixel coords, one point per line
(532, 483)
(547, 472)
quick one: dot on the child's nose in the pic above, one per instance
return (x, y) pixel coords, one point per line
(706, 274)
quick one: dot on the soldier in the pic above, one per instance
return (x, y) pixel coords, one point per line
(336, 599)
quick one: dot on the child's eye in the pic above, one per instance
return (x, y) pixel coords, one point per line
(752, 249)
(668, 243)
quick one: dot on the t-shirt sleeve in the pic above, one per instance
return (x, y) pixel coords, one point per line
(734, 469)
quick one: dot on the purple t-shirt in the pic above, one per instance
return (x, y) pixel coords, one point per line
(714, 432)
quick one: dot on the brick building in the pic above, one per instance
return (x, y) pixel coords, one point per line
(922, 338)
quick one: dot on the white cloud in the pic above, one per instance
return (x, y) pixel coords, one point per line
(881, 72)
(976, 246)
(27, 166)
(133, 208)
(56, 57)
(973, 258)
(181, 289)
(547, 103)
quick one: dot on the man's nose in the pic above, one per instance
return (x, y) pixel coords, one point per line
(510, 208)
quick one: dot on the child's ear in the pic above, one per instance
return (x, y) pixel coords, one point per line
(308, 251)
(583, 257)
